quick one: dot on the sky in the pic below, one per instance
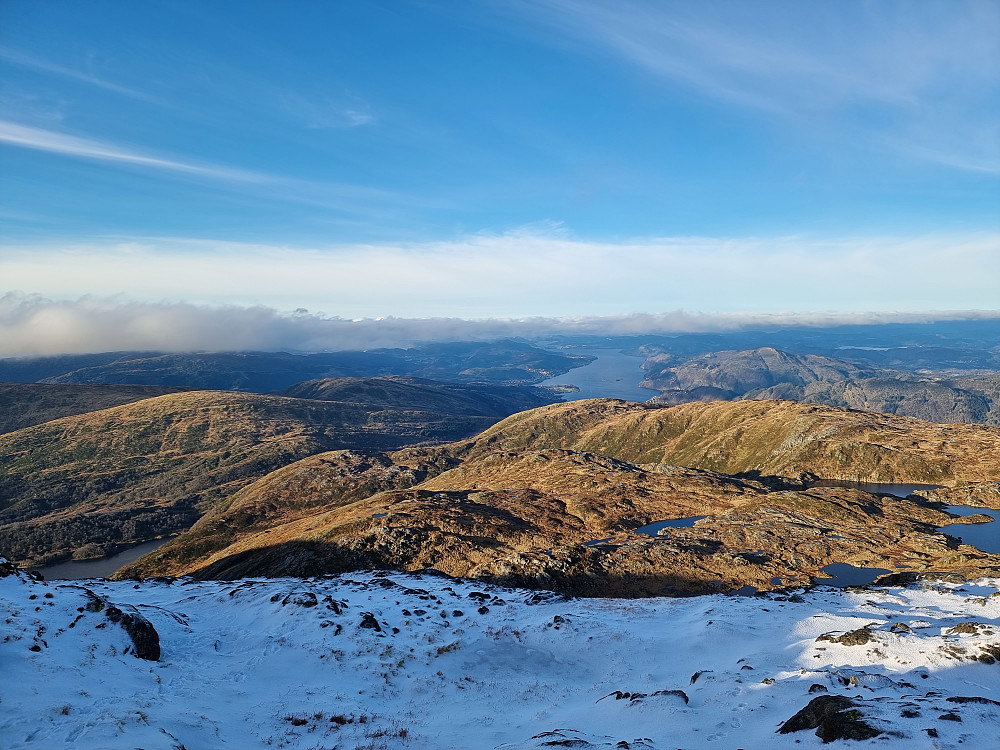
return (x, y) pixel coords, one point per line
(501, 159)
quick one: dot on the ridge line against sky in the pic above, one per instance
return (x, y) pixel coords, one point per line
(31, 325)
(514, 158)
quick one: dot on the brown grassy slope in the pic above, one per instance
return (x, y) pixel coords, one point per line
(144, 469)
(302, 489)
(314, 516)
(785, 438)
(532, 520)
(27, 404)
(527, 501)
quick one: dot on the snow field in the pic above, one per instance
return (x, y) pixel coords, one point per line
(388, 660)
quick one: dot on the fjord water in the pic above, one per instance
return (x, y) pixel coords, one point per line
(102, 568)
(612, 375)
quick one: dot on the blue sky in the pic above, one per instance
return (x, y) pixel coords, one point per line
(502, 159)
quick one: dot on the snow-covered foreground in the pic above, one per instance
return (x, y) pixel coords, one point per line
(376, 660)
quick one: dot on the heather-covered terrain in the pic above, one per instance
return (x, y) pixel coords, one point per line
(27, 404)
(87, 483)
(554, 498)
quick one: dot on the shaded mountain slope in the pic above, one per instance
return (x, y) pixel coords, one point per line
(137, 471)
(405, 392)
(497, 362)
(26, 404)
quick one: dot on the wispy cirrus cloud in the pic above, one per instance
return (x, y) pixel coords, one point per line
(921, 78)
(347, 198)
(46, 66)
(40, 139)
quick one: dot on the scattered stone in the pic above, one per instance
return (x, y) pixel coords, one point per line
(970, 628)
(972, 699)
(301, 599)
(950, 716)
(817, 688)
(633, 697)
(858, 637)
(368, 621)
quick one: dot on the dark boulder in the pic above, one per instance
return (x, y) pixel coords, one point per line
(145, 639)
(833, 717)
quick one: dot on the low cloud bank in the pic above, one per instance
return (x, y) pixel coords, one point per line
(538, 271)
(31, 325)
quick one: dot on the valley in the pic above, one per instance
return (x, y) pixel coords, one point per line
(482, 479)
(552, 498)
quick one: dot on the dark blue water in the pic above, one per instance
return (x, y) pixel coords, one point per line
(677, 523)
(611, 375)
(843, 574)
(876, 488)
(98, 568)
(985, 536)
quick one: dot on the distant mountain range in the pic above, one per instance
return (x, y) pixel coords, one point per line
(495, 362)
(768, 373)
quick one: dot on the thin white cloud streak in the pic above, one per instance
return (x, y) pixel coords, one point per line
(40, 139)
(35, 63)
(31, 325)
(529, 273)
(350, 199)
(921, 78)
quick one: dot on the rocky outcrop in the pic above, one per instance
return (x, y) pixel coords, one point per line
(145, 639)
(834, 717)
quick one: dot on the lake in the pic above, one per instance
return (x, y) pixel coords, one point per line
(102, 568)
(876, 488)
(653, 529)
(612, 375)
(843, 575)
(985, 536)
